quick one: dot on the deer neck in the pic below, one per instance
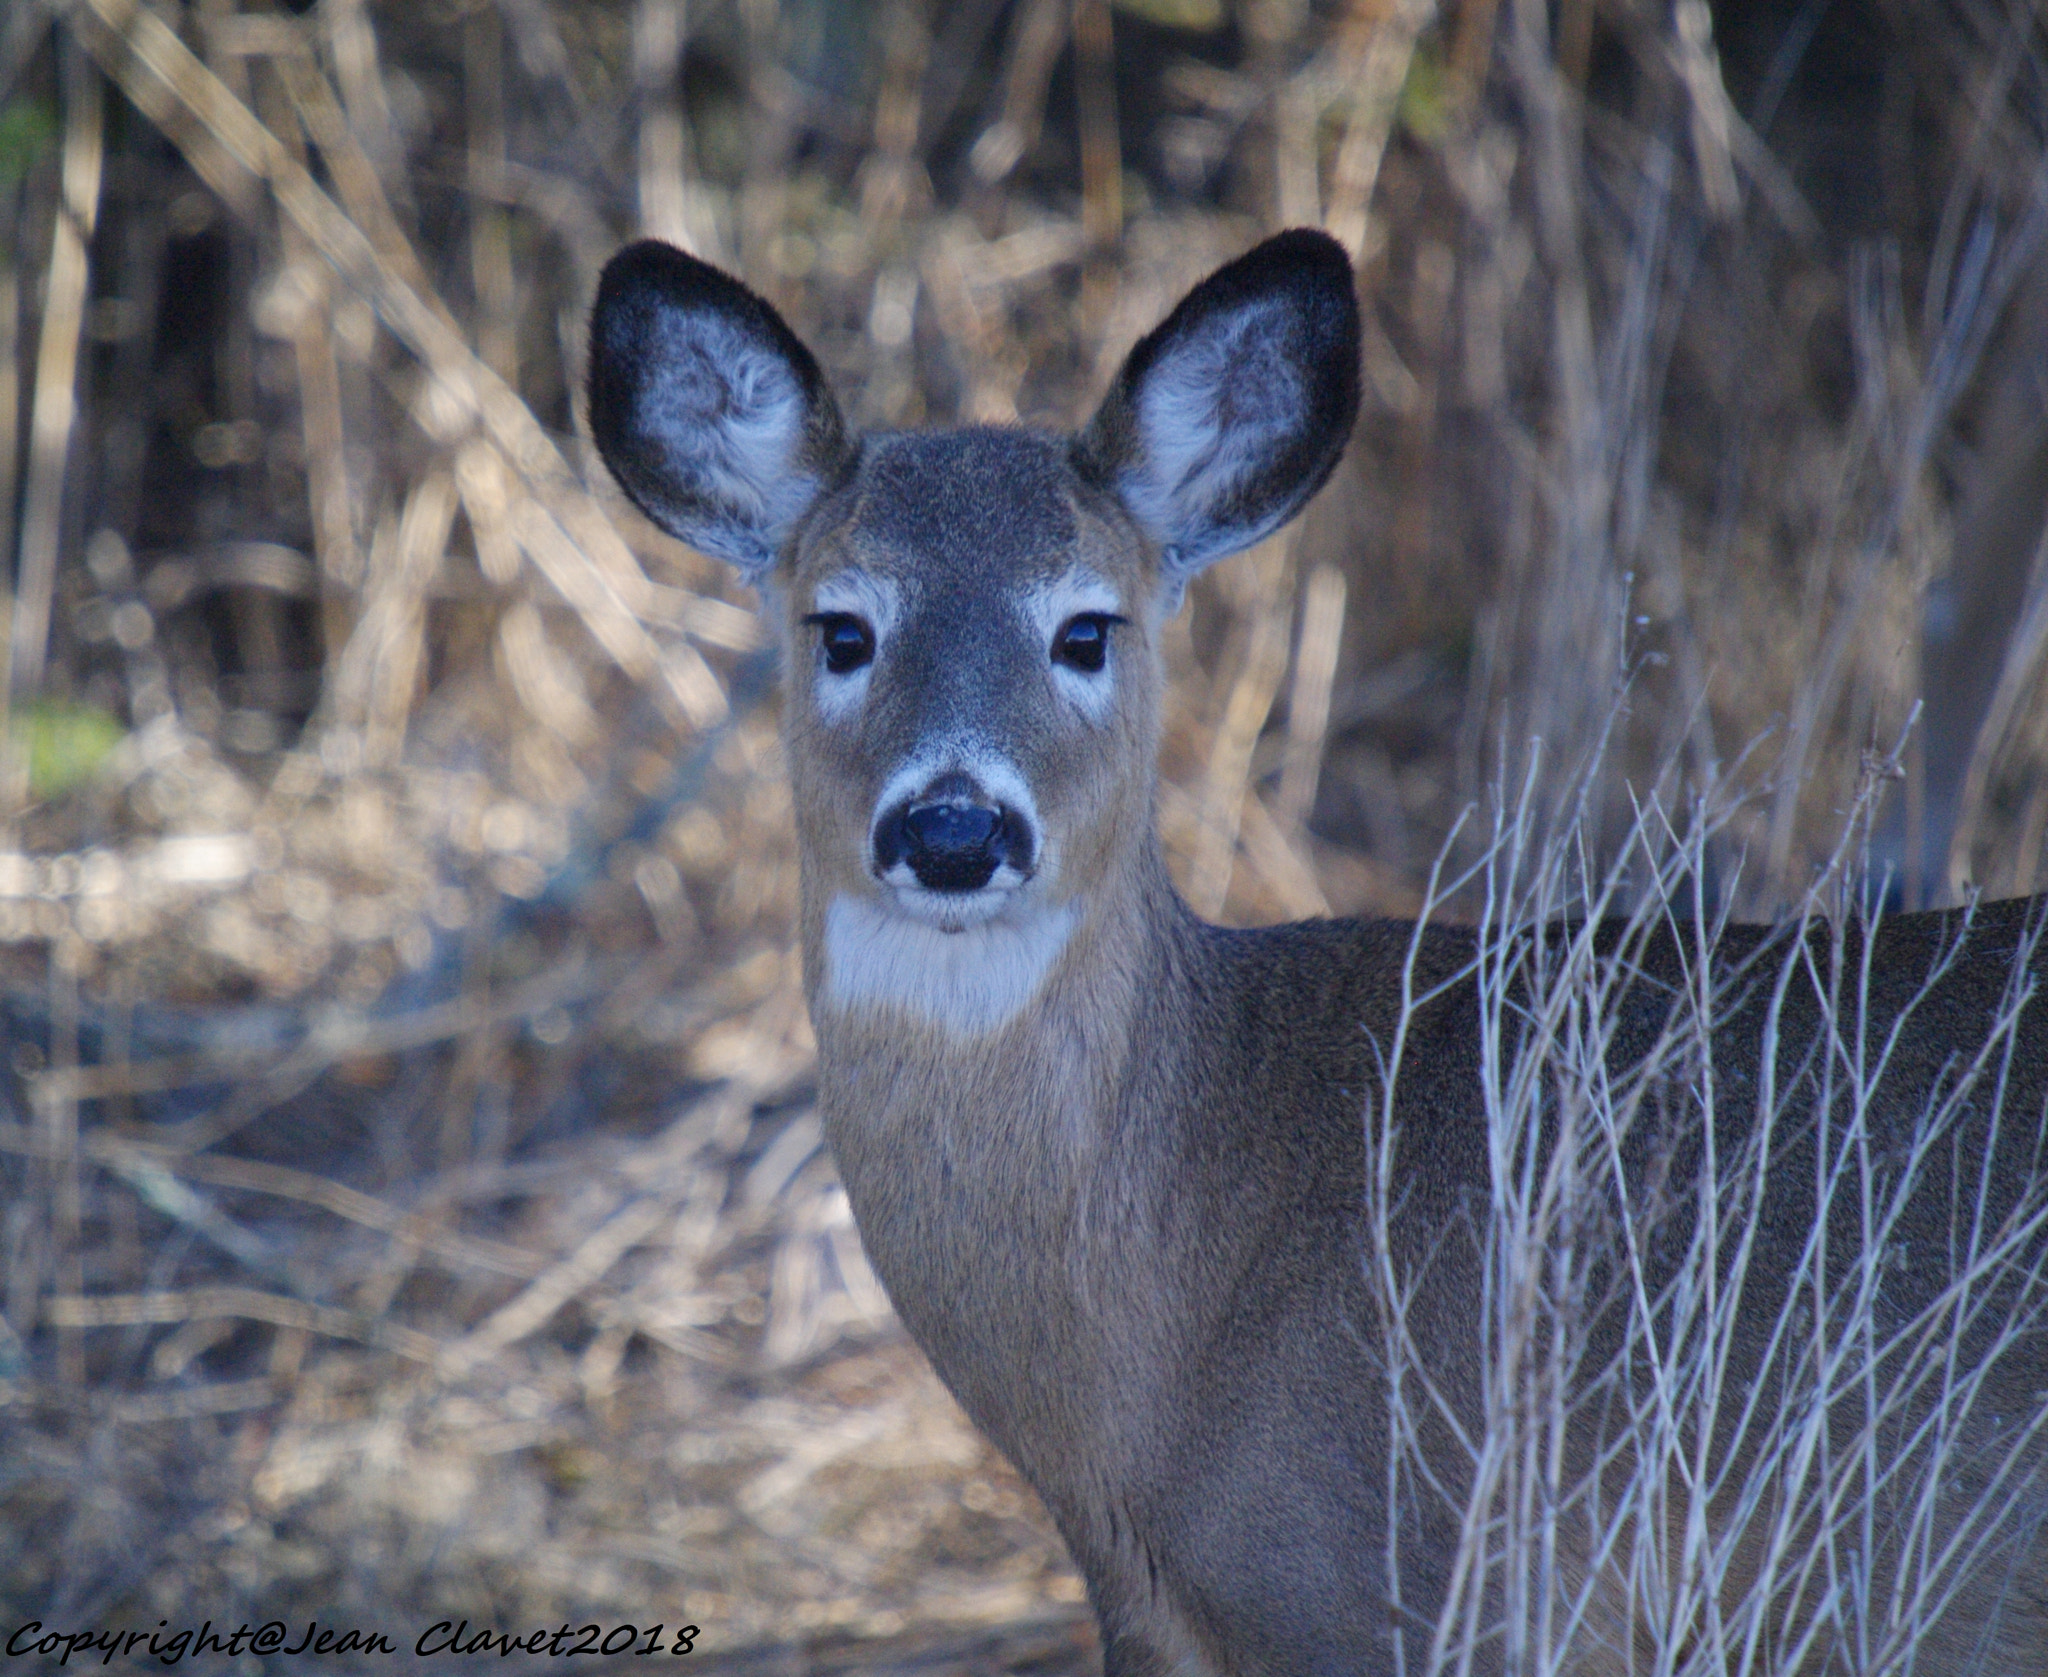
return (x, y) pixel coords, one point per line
(1013, 1035)
(981, 1125)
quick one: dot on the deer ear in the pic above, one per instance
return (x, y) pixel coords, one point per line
(1232, 413)
(706, 406)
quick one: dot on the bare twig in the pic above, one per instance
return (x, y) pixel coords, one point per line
(299, 306)
(490, 237)
(658, 33)
(586, 559)
(57, 1126)
(10, 410)
(1308, 704)
(56, 393)
(1036, 36)
(332, 1039)
(1250, 701)
(555, 1287)
(1102, 201)
(2018, 676)
(352, 43)
(1377, 47)
(28, 22)
(376, 674)
(121, 1310)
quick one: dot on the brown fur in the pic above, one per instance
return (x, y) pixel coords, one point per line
(1131, 1222)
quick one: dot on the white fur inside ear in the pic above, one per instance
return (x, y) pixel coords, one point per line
(969, 982)
(732, 415)
(1212, 412)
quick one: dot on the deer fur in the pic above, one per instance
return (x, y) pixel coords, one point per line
(1111, 1162)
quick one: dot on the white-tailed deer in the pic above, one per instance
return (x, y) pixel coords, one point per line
(1199, 1224)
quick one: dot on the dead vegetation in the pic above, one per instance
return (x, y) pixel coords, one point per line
(412, 1199)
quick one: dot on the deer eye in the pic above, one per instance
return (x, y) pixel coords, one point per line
(848, 642)
(1083, 641)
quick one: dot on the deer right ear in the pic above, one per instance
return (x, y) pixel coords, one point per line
(706, 406)
(1229, 415)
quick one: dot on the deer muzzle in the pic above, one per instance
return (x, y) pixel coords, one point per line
(953, 838)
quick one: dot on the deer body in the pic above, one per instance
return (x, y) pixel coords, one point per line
(1014, 1187)
(1113, 1163)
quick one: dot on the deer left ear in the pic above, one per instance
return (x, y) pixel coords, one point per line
(1229, 415)
(706, 407)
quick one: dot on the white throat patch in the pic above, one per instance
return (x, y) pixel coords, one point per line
(969, 982)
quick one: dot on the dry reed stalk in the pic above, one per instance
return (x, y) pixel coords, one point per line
(892, 182)
(2027, 854)
(480, 1070)
(377, 673)
(1266, 612)
(587, 561)
(944, 267)
(1713, 114)
(1569, 678)
(556, 1286)
(659, 30)
(490, 233)
(1435, 274)
(1471, 49)
(1971, 629)
(178, 1350)
(123, 1310)
(773, 131)
(1272, 854)
(10, 404)
(320, 114)
(547, 683)
(1102, 200)
(352, 47)
(2019, 677)
(300, 308)
(1912, 423)
(1375, 47)
(669, 1175)
(484, 480)
(263, 1077)
(1308, 702)
(224, 1397)
(1575, 42)
(226, 38)
(26, 25)
(1038, 30)
(415, 1228)
(1297, 186)
(55, 395)
(57, 1134)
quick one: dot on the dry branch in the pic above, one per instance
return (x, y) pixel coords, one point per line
(120, 1310)
(171, 87)
(55, 394)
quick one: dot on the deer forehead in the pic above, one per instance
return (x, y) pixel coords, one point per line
(957, 521)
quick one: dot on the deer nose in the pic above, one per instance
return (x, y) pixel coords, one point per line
(951, 838)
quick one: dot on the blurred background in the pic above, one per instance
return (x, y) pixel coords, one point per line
(412, 1203)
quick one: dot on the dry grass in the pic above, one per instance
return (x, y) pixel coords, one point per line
(1694, 1451)
(412, 1198)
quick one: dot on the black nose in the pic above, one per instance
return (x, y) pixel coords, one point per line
(951, 839)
